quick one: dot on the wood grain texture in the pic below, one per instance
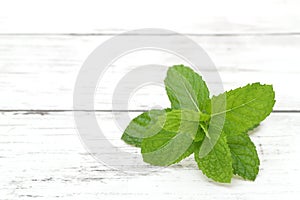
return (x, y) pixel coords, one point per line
(107, 17)
(39, 72)
(42, 47)
(42, 158)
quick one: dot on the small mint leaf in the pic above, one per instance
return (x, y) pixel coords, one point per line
(186, 89)
(245, 160)
(217, 164)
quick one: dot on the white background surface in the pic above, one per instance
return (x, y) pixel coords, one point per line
(42, 47)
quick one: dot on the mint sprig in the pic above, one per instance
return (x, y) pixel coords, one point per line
(192, 125)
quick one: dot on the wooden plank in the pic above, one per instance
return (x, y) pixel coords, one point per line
(42, 157)
(38, 72)
(194, 17)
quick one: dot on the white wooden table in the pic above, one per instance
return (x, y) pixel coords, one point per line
(42, 47)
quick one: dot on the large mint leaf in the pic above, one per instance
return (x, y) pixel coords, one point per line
(144, 125)
(150, 123)
(167, 147)
(174, 141)
(245, 160)
(217, 164)
(186, 89)
(246, 107)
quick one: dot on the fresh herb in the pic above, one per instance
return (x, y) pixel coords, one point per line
(214, 129)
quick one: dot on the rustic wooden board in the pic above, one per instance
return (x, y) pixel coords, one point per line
(41, 156)
(42, 47)
(39, 72)
(193, 17)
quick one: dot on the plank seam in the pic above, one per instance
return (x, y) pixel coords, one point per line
(69, 110)
(188, 34)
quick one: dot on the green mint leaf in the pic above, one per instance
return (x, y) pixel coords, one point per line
(165, 148)
(186, 89)
(167, 124)
(217, 164)
(168, 148)
(245, 161)
(144, 125)
(151, 122)
(246, 107)
(178, 131)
